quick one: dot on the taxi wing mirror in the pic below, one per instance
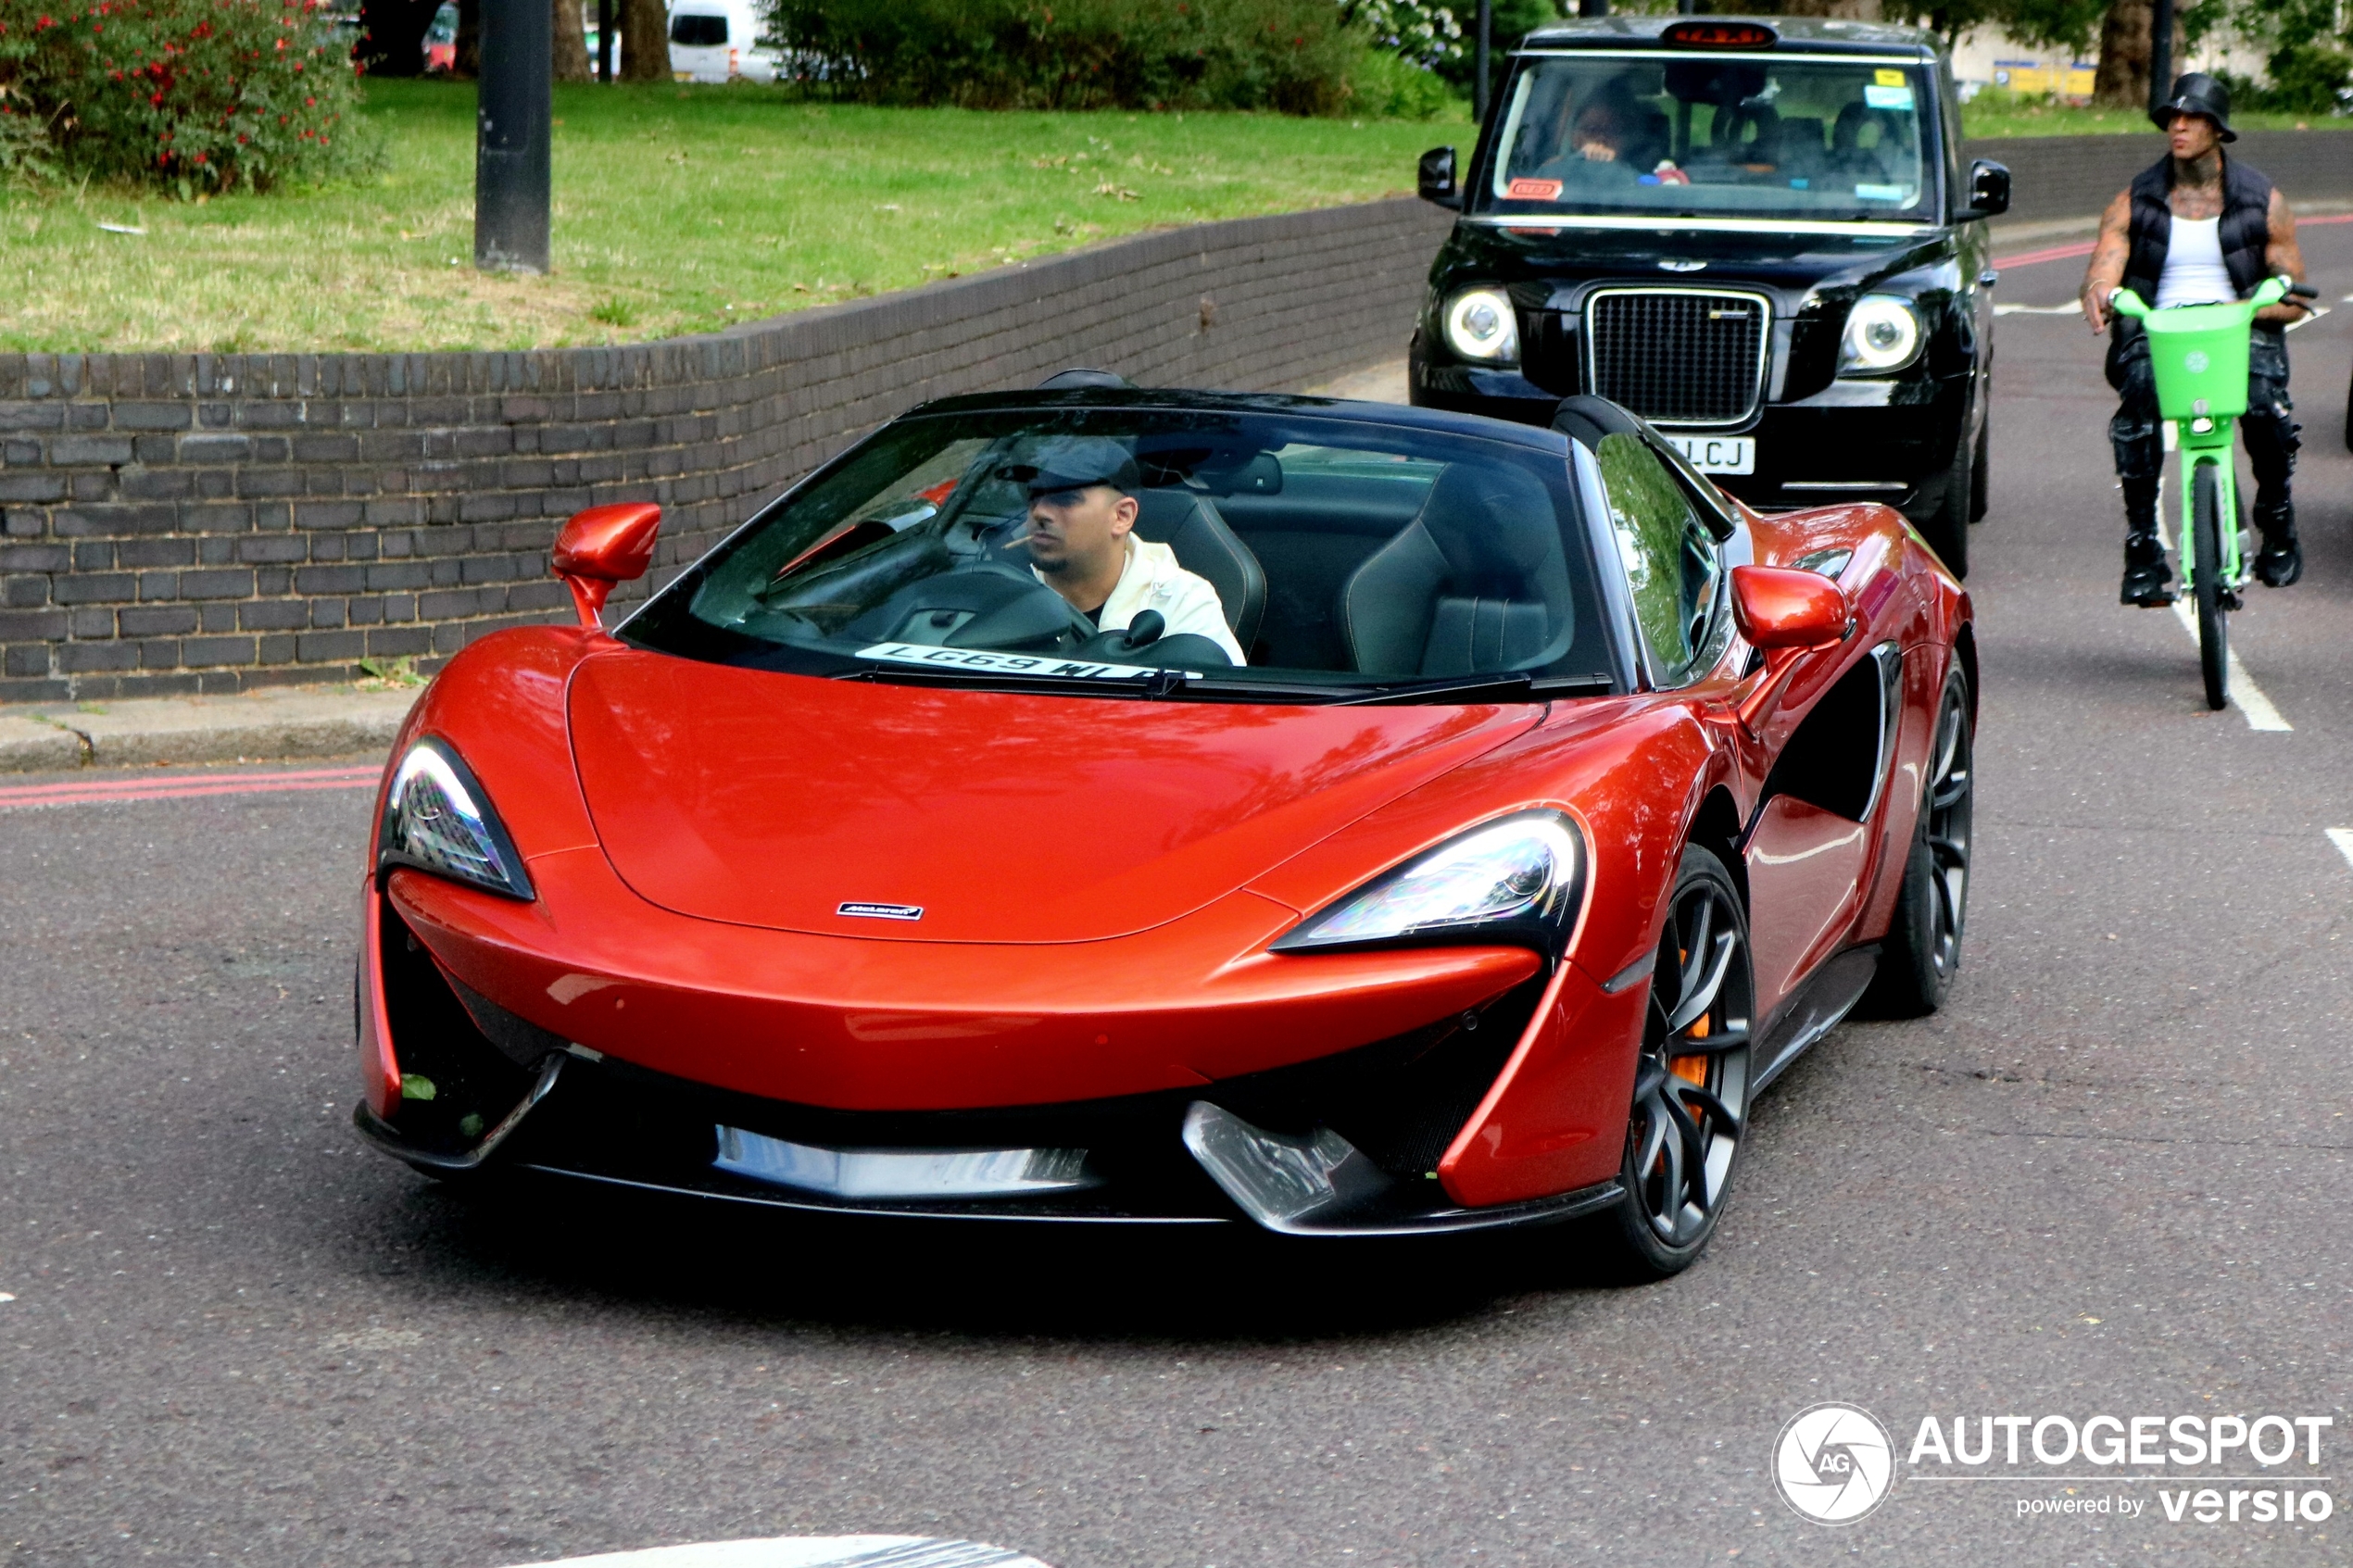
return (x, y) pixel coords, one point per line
(601, 547)
(1782, 613)
(1437, 178)
(1989, 189)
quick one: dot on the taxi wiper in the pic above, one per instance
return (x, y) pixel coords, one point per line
(1515, 686)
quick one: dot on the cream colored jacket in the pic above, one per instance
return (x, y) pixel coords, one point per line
(1153, 580)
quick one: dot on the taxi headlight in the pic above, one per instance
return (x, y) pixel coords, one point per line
(437, 818)
(1515, 882)
(1479, 325)
(1882, 333)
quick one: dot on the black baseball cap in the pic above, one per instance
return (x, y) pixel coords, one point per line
(1074, 462)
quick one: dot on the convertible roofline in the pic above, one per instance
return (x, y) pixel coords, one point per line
(1402, 414)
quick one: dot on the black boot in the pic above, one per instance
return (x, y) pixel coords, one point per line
(2281, 562)
(2146, 573)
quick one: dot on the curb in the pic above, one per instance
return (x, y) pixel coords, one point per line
(266, 726)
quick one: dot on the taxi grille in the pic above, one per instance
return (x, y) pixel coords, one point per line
(1677, 356)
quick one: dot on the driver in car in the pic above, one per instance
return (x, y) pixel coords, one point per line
(1082, 545)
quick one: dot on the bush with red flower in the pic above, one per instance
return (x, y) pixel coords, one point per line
(197, 96)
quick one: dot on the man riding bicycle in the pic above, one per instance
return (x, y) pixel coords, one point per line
(2197, 228)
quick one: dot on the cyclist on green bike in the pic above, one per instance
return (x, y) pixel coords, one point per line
(2197, 228)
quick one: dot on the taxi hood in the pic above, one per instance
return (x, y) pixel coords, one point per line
(778, 801)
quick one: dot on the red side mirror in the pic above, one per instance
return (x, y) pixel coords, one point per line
(1783, 611)
(1779, 606)
(604, 545)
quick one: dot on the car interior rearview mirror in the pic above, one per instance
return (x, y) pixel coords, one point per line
(1989, 189)
(1437, 181)
(601, 547)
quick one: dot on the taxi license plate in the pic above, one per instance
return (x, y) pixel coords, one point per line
(1719, 454)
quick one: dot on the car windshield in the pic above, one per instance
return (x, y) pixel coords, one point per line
(1714, 135)
(1246, 555)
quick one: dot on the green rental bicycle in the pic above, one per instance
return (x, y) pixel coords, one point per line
(2199, 352)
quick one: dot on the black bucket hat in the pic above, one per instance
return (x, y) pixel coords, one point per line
(2199, 93)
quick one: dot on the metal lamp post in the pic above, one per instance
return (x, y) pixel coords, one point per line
(512, 109)
(2160, 52)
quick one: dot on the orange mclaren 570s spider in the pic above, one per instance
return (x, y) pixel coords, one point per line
(1442, 825)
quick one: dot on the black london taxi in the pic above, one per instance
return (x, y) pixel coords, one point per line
(1757, 234)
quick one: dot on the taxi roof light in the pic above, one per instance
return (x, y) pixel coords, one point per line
(1719, 35)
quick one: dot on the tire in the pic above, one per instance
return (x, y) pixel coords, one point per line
(2348, 418)
(1981, 468)
(1946, 529)
(2213, 621)
(1683, 1136)
(1922, 951)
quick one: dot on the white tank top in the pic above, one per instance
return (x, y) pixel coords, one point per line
(2193, 271)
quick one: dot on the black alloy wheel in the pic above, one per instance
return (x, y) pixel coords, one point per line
(1690, 1113)
(2213, 617)
(1923, 947)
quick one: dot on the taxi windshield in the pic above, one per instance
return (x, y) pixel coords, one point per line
(1275, 553)
(1714, 135)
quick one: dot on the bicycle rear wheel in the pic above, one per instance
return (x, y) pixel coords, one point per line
(2205, 554)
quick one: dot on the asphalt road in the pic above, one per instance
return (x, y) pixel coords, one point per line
(2111, 1177)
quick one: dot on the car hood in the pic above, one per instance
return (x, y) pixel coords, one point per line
(1552, 269)
(774, 800)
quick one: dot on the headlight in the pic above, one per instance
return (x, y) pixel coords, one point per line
(1882, 333)
(437, 819)
(1479, 325)
(1513, 882)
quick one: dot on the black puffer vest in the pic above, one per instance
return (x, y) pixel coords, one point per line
(2246, 226)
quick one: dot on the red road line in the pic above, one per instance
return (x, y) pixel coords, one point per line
(2061, 253)
(84, 792)
(2056, 253)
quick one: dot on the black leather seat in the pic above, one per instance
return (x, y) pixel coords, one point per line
(1476, 582)
(1189, 524)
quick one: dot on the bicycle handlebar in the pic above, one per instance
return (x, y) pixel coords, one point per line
(2270, 291)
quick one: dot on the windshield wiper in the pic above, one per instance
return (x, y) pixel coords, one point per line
(1517, 686)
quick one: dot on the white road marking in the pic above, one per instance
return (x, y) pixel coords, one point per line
(2245, 696)
(2312, 314)
(811, 1552)
(2072, 308)
(2343, 840)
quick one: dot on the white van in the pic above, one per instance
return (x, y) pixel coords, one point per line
(713, 41)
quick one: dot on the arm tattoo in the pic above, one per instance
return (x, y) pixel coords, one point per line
(2108, 255)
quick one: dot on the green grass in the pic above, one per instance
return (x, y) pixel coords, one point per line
(678, 209)
(1991, 118)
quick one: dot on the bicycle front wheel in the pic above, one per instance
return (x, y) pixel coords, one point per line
(2205, 555)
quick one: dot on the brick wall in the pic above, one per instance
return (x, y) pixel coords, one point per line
(204, 522)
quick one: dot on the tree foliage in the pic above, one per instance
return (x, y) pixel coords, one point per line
(193, 94)
(1295, 55)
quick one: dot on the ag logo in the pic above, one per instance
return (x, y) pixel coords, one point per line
(1833, 1463)
(2195, 361)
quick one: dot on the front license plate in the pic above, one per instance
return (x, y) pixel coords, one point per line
(1719, 454)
